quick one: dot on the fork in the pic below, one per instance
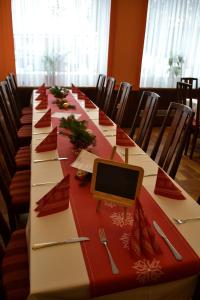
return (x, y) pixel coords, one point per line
(104, 241)
(182, 221)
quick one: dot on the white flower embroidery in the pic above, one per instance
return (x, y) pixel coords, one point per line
(121, 221)
(125, 238)
(148, 271)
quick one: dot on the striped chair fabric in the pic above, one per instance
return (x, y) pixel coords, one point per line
(15, 268)
(23, 158)
(20, 191)
(26, 119)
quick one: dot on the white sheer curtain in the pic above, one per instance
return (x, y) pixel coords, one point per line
(60, 41)
(172, 31)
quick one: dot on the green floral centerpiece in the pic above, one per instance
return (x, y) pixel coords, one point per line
(79, 135)
(59, 92)
(62, 103)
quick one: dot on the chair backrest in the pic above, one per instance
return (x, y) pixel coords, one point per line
(183, 91)
(13, 80)
(149, 100)
(6, 109)
(105, 103)
(5, 180)
(9, 146)
(13, 94)
(180, 116)
(196, 123)
(9, 104)
(191, 80)
(120, 103)
(99, 88)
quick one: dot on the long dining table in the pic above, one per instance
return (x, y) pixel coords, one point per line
(82, 270)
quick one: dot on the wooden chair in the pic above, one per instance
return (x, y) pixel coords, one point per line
(18, 157)
(24, 133)
(191, 80)
(14, 264)
(12, 82)
(15, 188)
(99, 88)
(120, 103)
(183, 91)
(174, 141)
(195, 128)
(149, 101)
(105, 102)
(24, 118)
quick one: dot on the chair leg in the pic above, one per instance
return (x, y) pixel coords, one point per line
(194, 141)
(187, 142)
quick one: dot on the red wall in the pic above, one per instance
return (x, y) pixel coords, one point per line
(7, 60)
(127, 29)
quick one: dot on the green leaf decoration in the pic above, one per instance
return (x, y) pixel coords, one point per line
(79, 135)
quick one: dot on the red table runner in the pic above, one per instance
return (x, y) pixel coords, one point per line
(134, 272)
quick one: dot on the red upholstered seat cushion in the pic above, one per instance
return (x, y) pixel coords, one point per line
(27, 110)
(20, 191)
(25, 131)
(26, 119)
(23, 157)
(15, 268)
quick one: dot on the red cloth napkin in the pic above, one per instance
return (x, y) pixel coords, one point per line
(55, 200)
(143, 240)
(49, 143)
(45, 121)
(41, 96)
(41, 89)
(122, 139)
(82, 96)
(42, 105)
(89, 103)
(73, 88)
(165, 187)
(104, 120)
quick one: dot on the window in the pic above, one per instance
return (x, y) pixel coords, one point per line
(172, 42)
(60, 41)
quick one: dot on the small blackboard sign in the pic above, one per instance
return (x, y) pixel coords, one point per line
(118, 182)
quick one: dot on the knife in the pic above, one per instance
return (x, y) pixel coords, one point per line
(67, 241)
(49, 159)
(171, 247)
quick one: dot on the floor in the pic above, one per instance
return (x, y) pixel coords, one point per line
(188, 174)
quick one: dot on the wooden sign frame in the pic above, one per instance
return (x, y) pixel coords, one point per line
(104, 196)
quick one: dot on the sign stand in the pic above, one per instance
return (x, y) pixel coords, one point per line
(125, 185)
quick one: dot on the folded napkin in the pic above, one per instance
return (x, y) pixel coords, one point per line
(82, 96)
(74, 88)
(45, 121)
(41, 89)
(104, 120)
(122, 139)
(143, 239)
(42, 105)
(56, 200)
(165, 187)
(89, 103)
(49, 143)
(42, 97)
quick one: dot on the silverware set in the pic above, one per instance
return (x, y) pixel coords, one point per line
(183, 221)
(176, 254)
(49, 159)
(43, 183)
(104, 241)
(67, 241)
